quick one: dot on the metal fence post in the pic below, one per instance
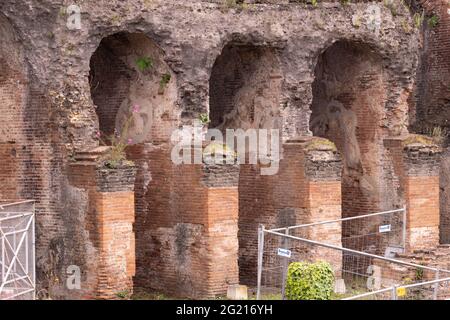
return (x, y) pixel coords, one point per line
(260, 259)
(285, 267)
(404, 229)
(436, 286)
(394, 292)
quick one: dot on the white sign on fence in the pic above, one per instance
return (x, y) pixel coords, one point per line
(284, 252)
(385, 228)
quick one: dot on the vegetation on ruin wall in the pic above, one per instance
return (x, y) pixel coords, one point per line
(116, 156)
(309, 281)
(420, 16)
(118, 142)
(435, 136)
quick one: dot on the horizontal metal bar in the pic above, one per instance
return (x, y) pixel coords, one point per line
(330, 246)
(365, 275)
(389, 289)
(338, 220)
(16, 203)
(16, 232)
(14, 280)
(425, 283)
(21, 215)
(272, 268)
(19, 294)
(368, 294)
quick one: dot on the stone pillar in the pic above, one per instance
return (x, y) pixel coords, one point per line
(416, 162)
(110, 219)
(319, 187)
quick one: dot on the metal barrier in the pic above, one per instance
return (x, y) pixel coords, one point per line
(362, 262)
(430, 290)
(17, 251)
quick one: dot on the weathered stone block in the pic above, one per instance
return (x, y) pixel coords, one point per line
(237, 292)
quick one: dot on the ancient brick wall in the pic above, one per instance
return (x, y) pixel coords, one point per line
(433, 93)
(31, 150)
(13, 95)
(59, 117)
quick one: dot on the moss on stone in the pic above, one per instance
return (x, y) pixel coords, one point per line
(320, 144)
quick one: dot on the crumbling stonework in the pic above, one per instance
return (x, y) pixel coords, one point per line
(268, 64)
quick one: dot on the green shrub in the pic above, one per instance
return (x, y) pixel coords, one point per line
(309, 281)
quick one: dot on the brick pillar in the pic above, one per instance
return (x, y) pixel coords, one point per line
(222, 208)
(416, 161)
(186, 224)
(319, 186)
(110, 224)
(208, 198)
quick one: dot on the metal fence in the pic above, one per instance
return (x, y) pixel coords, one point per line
(17, 251)
(429, 290)
(362, 259)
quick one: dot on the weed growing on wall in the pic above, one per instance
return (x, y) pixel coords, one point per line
(433, 21)
(438, 134)
(418, 19)
(204, 118)
(144, 63)
(118, 142)
(165, 79)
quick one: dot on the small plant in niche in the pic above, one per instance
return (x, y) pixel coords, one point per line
(123, 294)
(144, 63)
(406, 26)
(356, 21)
(118, 142)
(419, 274)
(433, 21)
(391, 6)
(236, 4)
(418, 19)
(63, 12)
(204, 119)
(165, 79)
(438, 134)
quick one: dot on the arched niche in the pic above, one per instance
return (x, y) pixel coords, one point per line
(130, 79)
